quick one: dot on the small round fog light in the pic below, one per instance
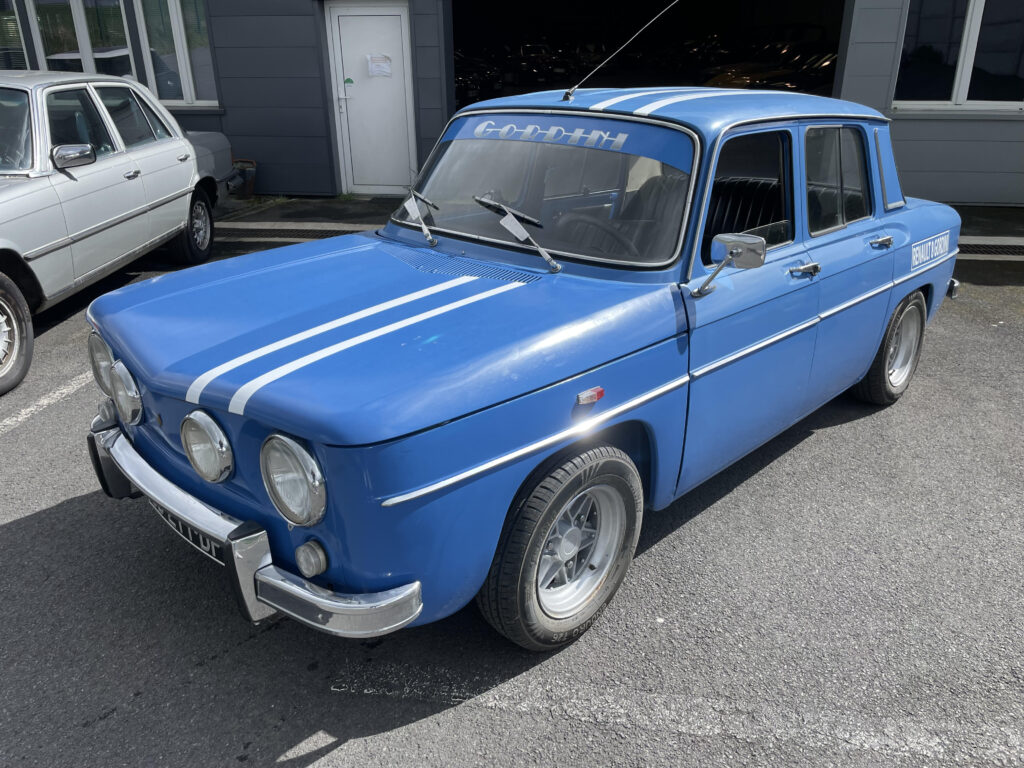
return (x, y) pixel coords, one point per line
(311, 559)
(207, 447)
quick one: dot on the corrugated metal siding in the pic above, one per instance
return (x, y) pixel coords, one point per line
(431, 71)
(958, 158)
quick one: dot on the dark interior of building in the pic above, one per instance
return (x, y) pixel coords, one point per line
(538, 45)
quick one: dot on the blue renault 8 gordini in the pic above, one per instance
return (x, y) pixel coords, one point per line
(585, 308)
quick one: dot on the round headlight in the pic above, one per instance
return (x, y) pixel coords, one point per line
(126, 394)
(207, 447)
(293, 480)
(101, 359)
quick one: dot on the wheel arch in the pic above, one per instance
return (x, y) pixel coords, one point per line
(209, 186)
(15, 267)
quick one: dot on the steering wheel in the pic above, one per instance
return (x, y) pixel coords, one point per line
(606, 228)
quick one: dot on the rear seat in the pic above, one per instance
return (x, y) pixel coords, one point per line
(739, 204)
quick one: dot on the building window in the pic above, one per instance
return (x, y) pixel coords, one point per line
(82, 36)
(179, 65)
(962, 53)
(12, 52)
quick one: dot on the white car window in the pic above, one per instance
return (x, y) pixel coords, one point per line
(74, 119)
(128, 116)
(15, 131)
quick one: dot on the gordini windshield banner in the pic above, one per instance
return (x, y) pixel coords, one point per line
(664, 144)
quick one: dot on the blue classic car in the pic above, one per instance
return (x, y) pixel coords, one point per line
(586, 307)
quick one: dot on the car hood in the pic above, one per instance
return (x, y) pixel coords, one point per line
(359, 340)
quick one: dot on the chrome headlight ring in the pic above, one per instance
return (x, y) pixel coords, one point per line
(126, 394)
(207, 447)
(101, 359)
(293, 480)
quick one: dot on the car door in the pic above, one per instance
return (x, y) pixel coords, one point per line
(752, 337)
(104, 204)
(164, 159)
(854, 252)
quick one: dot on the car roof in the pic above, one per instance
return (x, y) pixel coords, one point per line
(33, 78)
(707, 110)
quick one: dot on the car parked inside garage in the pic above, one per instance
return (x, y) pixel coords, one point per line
(94, 172)
(590, 304)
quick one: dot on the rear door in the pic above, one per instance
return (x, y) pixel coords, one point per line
(104, 203)
(752, 338)
(165, 160)
(852, 248)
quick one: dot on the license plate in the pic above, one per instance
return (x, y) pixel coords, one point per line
(212, 548)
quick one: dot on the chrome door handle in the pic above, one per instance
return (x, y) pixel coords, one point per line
(882, 242)
(807, 269)
(132, 174)
(183, 158)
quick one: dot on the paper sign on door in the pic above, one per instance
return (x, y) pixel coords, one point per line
(379, 64)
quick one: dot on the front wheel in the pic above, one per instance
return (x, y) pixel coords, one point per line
(896, 361)
(195, 244)
(564, 550)
(16, 338)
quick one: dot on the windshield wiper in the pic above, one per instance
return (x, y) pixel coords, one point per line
(414, 212)
(513, 221)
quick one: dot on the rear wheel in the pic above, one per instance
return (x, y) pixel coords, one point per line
(896, 361)
(565, 550)
(195, 244)
(16, 337)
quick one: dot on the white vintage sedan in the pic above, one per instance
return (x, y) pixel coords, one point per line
(94, 172)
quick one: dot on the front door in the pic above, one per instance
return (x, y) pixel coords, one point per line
(752, 337)
(370, 55)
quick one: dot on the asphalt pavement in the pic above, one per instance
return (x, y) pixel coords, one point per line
(850, 594)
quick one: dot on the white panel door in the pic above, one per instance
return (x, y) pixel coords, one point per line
(373, 88)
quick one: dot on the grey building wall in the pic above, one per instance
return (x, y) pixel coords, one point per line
(961, 156)
(274, 88)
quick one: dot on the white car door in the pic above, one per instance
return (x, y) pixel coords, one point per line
(165, 160)
(104, 203)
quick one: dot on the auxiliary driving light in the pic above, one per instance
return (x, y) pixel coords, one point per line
(293, 480)
(207, 447)
(311, 559)
(126, 394)
(101, 359)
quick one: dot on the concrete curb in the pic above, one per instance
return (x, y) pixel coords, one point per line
(308, 226)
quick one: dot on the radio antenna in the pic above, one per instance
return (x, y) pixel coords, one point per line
(567, 96)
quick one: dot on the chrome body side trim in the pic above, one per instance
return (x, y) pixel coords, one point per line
(576, 430)
(262, 587)
(854, 301)
(739, 354)
(585, 113)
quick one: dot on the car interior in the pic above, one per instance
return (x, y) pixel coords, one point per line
(15, 132)
(74, 119)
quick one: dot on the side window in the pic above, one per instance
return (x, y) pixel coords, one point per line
(158, 125)
(751, 191)
(74, 119)
(837, 178)
(128, 116)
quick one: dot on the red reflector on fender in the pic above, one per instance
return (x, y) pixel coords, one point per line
(590, 396)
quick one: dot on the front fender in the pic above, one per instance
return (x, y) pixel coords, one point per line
(446, 539)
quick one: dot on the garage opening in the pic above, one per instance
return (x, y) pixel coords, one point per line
(728, 43)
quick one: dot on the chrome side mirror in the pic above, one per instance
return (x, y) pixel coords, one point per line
(72, 155)
(739, 250)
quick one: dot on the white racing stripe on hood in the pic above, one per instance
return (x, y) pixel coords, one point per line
(246, 391)
(197, 386)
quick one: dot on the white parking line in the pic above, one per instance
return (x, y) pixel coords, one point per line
(45, 401)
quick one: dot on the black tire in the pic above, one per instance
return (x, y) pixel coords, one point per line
(879, 386)
(16, 335)
(510, 597)
(195, 244)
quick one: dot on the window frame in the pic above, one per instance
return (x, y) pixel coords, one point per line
(132, 94)
(868, 186)
(21, 38)
(958, 102)
(112, 132)
(790, 200)
(178, 33)
(81, 37)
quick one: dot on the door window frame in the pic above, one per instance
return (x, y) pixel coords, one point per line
(81, 24)
(792, 202)
(115, 136)
(869, 187)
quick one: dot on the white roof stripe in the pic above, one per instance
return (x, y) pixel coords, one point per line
(197, 386)
(639, 94)
(654, 106)
(246, 391)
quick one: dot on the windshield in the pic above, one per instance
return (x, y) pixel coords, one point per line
(602, 189)
(15, 131)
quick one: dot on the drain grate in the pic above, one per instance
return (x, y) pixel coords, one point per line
(992, 250)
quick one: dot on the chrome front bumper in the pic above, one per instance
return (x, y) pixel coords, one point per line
(243, 549)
